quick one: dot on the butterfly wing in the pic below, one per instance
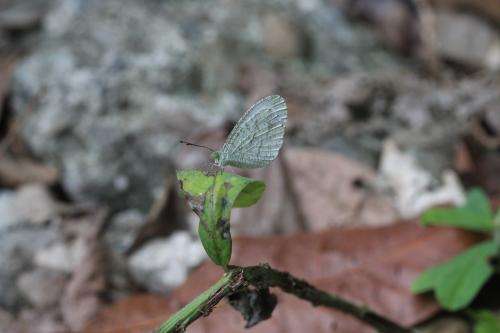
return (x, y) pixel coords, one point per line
(257, 137)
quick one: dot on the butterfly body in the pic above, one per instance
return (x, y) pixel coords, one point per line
(257, 137)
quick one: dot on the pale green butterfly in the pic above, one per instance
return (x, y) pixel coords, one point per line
(257, 137)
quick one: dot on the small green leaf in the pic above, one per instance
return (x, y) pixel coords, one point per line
(250, 193)
(214, 228)
(212, 197)
(475, 214)
(428, 280)
(486, 321)
(457, 281)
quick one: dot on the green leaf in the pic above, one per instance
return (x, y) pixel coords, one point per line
(428, 280)
(250, 193)
(474, 215)
(486, 321)
(457, 281)
(212, 197)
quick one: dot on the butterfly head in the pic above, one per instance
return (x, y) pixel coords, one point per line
(215, 156)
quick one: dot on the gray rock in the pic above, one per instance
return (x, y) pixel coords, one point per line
(119, 82)
(123, 230)
(41, 321)
(284, 39)
(356, 113)
(120, 235)
(163, 264)
(18, 245)
(42, 287)
(28, 204)
(61, 255)
(468, 39)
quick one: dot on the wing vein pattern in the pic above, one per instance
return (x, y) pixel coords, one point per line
(257, 137)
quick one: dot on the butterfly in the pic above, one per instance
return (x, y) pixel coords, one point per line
(257, 137)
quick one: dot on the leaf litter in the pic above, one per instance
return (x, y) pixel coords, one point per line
(338, 260)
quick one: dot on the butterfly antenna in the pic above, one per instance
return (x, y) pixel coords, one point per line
(194, 144)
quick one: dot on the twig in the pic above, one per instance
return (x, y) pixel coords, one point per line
(294, 196)
(264, 276)
(428, 38)
(15, 126)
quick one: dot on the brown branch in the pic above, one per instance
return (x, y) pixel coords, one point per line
(263, 276)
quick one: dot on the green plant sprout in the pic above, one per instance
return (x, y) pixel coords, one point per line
(457, 281)
(212, 197)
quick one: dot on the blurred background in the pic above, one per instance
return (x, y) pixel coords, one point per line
(394, 107)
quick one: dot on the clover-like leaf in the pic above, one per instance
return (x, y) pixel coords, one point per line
(212, 197)
(475, 214)
(457, 281)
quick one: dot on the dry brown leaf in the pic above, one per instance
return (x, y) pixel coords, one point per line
(256, 80)
(134, 314)
(325, 183)
(15, 172)
(478, 167)
(278, 211)
(311, 189)
(81, 299)
(372, 266)
(7, 64)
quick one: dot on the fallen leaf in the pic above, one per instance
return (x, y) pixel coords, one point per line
(81, 299)
(372, 266)
(134, 314)
(482, 170)
(15, 172)
(313, 189)
(8, 63)
(325, 183)
(278, 211)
